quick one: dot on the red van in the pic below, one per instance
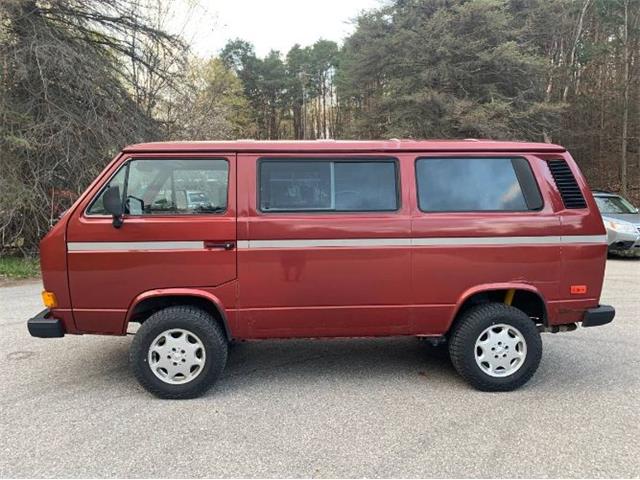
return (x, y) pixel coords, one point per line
(477, 246)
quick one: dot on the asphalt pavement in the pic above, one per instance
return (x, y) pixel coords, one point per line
(324, 408)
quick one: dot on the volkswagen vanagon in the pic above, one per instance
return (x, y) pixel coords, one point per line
(478, 246)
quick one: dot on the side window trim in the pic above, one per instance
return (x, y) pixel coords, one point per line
(528, 184)
(525, 192)
(332, 161)
(125, 184)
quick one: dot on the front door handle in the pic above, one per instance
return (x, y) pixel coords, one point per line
(220, 245)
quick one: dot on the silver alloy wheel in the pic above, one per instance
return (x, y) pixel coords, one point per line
(176, 356)
(500, 350)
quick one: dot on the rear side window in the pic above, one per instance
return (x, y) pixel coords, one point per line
(170, 187)
(328, 185)
(476, 184)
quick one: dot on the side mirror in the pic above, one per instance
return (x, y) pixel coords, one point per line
(113, 204)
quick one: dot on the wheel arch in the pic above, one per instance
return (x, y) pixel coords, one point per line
(151, 301)
(526, 298)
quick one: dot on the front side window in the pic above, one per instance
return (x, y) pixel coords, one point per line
(476, 184)
(328, 185)
(170, 187)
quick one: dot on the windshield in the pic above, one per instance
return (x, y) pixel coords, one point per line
(615, 205)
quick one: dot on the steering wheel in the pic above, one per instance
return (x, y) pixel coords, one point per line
(129, 197)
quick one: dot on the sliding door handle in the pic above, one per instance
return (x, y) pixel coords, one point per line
(219, 245)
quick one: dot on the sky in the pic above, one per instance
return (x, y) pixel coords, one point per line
(268, 24)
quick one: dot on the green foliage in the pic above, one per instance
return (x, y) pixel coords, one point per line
(264, 82)
(211, 104)
(19, 267)
(455, 69)
(289, 98)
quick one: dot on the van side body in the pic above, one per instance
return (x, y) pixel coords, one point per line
(320, 290)
(285, 274)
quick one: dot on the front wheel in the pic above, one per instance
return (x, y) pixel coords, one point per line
(178, 352)
(495, 347)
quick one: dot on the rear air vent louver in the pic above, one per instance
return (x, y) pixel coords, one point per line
(567, 185)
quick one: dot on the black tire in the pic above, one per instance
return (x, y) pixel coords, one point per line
(468, 329)
(193, 320)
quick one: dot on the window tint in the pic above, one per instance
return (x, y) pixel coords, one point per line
(169, 187)
(476, 184)
(328, 185)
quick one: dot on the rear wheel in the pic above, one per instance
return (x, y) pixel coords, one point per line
(495, 347)
(178, 352)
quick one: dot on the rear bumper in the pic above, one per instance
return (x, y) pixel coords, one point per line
(43, 325)
(600, 315)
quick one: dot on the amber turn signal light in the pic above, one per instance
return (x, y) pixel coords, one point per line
(578, 289)
(49, 299)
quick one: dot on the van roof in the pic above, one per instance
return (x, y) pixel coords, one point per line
(318, 146)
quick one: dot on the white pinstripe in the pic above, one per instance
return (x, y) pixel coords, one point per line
(345, 243)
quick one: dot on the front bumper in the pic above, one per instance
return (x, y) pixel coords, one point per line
(622, 246)
(43, 325)
(620, 241)
(600, 315)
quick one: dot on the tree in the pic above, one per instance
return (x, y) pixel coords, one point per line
(323, 61)
(210, 105)
(625, 97)
(298, 67)
(445, 69)
(264, 82)
(65, 104)
(291, 98)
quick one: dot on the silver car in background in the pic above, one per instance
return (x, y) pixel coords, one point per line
(622, 221)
